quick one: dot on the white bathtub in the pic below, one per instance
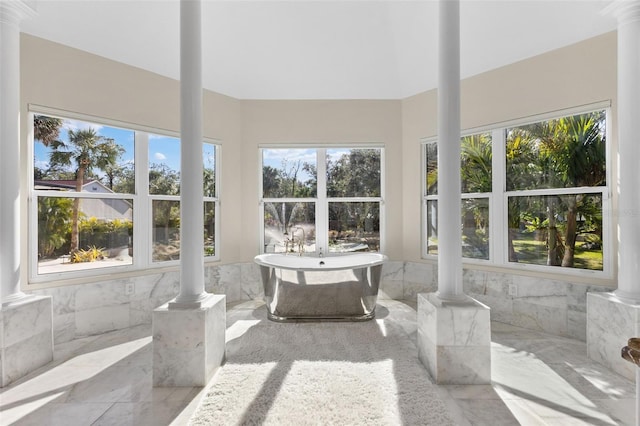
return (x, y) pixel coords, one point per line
(335, 288)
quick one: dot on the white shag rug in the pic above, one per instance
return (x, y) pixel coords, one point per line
(365, 373)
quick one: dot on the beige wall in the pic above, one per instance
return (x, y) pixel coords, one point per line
(67, 79)
(324, 123)
(59, 77)
(580, 74)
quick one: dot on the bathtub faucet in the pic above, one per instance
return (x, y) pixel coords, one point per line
(300, 241)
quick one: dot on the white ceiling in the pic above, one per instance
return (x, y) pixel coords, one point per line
(318, 49)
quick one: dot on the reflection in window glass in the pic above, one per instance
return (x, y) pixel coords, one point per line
(289, 173)
(289, 227)
(567, 152)
(475, 164)
(353, 172)
(475, 167)
(432, 227)
(209, 228)
(209, 169)
(556, 230)
(83, 233)
(354, 226)
(164, 165)
(70, 155)
(166, 230)
(475, 228)
(431, 161)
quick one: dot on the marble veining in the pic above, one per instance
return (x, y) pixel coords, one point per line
(107, 380)
(553, 306)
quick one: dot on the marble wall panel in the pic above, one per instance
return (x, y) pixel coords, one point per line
(610, 323)
(250, 282)
(26, 337)
(550, 305)
(25, 319)
(541, 316)
(102, 319)
(26, 355)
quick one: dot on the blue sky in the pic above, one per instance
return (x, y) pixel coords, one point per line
(274, 157)
(162, 149)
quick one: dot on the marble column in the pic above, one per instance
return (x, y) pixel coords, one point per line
(454, 331)
(612, 318)
(628, 14)
(189, 331)
(26, 330)
(449, 192)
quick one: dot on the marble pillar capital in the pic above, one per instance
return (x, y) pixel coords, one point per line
(14, 11)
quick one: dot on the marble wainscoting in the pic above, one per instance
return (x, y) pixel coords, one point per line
(552, 306)
(26, 338)
(94, 308)
(611, 322)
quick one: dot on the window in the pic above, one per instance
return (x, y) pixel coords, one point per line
(321, 199)
(476, 180)
(87, 179)
(533, 194)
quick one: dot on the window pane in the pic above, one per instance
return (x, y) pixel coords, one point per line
(72, 155)
(555, 230)
(475, 167)
(475, 164)
(475, 228)
(164, 165)
(354, 227)
(166, 230)
(209, 169)
(567, 152)
(431, 160)
(353, 172)
(289, 173)
(98, 237)
(209, 228)
(432, 227)
(289, 227)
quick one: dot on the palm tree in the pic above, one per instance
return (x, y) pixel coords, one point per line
(46, 129)
(572, 150)
(85, 150)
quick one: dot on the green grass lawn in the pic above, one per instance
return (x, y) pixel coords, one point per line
(534, 252)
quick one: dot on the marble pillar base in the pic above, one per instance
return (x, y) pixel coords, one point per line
(454, 340)
(611, 321)
(26, 337)
(188, 344)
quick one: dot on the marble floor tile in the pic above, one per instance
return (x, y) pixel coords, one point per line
(537, 379)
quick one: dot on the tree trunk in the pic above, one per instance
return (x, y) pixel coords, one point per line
(570, 237)
(513, 256)
(552, 237)
(75, 229)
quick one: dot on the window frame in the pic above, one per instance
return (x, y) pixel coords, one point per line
(499, 196)
(142, 200)
(322, 200)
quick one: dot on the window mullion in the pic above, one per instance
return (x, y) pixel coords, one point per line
(322, 206)
(142, 219)
(498, 218)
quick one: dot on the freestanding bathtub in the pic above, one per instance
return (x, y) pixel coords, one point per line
(335, 288)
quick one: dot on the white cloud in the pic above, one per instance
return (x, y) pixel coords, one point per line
(159, 156)
(76, 125)
(41, 164)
